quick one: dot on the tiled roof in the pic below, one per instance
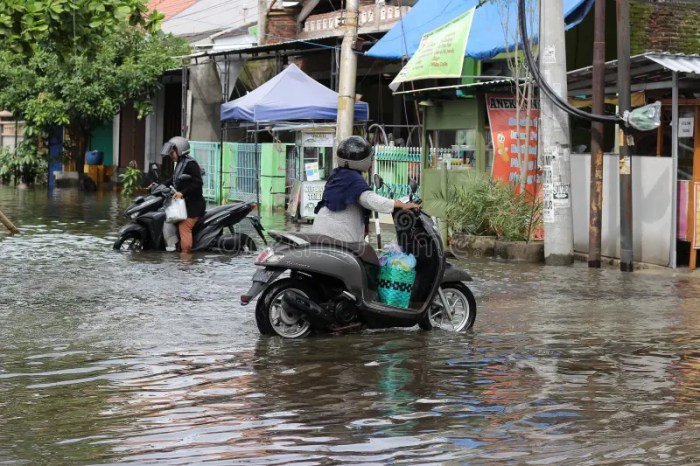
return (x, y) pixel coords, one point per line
(170, 7)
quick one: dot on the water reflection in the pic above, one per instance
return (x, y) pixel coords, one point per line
(107, 357)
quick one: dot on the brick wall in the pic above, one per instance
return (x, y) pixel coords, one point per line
(281, 26)
(665, 25)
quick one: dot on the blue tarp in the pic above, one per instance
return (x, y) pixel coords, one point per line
(486, 38)
(291, 95)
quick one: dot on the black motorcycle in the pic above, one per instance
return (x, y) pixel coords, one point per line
(147, 214)
(333, 286)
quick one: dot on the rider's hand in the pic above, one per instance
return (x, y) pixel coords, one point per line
(177, 195)
(402, 205)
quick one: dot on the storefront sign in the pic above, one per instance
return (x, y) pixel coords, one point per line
(510, 140)
(686, 127)
(440, 53)
(311, 194)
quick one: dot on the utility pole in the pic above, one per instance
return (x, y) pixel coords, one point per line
(555, 147)
(596, 188)
(348, 73)
(262, 21)
(623, 91)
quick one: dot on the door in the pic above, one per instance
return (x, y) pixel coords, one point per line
(132, 137)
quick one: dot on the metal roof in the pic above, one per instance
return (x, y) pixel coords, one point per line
(483, 86)
(678, 63)
(291, 45)
(649, 71)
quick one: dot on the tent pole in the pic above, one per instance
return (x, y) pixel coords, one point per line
(220, 194)
(257, 168)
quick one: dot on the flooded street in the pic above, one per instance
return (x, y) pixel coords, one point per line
(143, 358)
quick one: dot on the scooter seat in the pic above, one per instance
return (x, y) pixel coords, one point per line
(362, 250)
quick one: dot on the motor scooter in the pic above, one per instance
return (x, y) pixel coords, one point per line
(147, 214)
(333, 286)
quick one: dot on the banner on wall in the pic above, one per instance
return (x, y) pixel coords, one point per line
(509, 140)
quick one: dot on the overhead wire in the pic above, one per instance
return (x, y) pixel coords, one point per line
(546, 88)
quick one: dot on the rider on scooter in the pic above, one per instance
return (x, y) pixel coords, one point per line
(178, 149)
(343, 213)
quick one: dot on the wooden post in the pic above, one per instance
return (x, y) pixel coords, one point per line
(692, 208)
(6, 221)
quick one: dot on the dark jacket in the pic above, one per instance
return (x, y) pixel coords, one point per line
(191, 189)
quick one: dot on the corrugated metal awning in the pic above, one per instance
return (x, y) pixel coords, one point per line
(678, 63)
(649, 71)
(480, 86)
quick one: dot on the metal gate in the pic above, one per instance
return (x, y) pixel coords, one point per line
(241, 180)
(207, 156)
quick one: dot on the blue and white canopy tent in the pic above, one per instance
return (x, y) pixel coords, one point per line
(290, 100)
(487, 37)
(289, 96)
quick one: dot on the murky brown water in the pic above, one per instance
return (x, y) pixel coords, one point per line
(145, 358)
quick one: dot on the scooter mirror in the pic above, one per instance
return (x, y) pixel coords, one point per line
(378, 181)
(413, 184)
(184, 177)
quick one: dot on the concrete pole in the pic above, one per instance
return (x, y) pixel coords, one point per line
(348, 74)
(555, 146)
(624, 91)
(262, 21)
(596, 187)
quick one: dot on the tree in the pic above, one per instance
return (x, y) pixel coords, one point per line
(75, 63)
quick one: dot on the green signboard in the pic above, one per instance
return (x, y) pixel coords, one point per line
(440, 53)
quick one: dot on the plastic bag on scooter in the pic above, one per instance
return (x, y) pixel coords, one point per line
(396, 276)
(176, 211)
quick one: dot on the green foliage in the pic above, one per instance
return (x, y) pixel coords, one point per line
(64, 26)
(131, 180)
(27, 164)
(55, 74)
(487, 207)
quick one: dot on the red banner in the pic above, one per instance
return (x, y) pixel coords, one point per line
(510, 140)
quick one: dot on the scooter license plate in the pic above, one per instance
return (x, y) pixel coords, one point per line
(263, 275)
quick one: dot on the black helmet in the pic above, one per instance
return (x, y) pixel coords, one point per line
(355, 153)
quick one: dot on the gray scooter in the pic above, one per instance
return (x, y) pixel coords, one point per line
(332, 285)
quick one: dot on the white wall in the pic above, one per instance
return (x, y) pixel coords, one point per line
(652, 181)
(213, 15)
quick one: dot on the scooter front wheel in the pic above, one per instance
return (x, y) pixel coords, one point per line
(459, 314)
(274, 319)
(129, 242)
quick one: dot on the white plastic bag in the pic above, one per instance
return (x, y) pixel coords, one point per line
(176, 211)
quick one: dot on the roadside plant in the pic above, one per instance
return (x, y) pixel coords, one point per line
(131, 180)
(486, 207)
(25, 164)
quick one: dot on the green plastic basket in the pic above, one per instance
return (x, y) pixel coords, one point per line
(395, 286)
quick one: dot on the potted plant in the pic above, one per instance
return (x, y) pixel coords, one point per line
(489, 218)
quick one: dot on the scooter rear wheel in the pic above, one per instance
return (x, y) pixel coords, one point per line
(273, 319)
(462, 312)
(129, 242)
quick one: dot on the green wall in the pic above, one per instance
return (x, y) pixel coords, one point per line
(102, 139)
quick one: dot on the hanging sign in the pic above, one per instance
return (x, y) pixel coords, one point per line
(511, 141)
(311, 194)
(440, 53)
(686, 127)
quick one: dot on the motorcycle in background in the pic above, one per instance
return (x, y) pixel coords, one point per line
(145, 231)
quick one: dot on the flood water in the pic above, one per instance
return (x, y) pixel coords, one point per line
(142, 358)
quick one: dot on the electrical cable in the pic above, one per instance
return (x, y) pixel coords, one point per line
(545, 87)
